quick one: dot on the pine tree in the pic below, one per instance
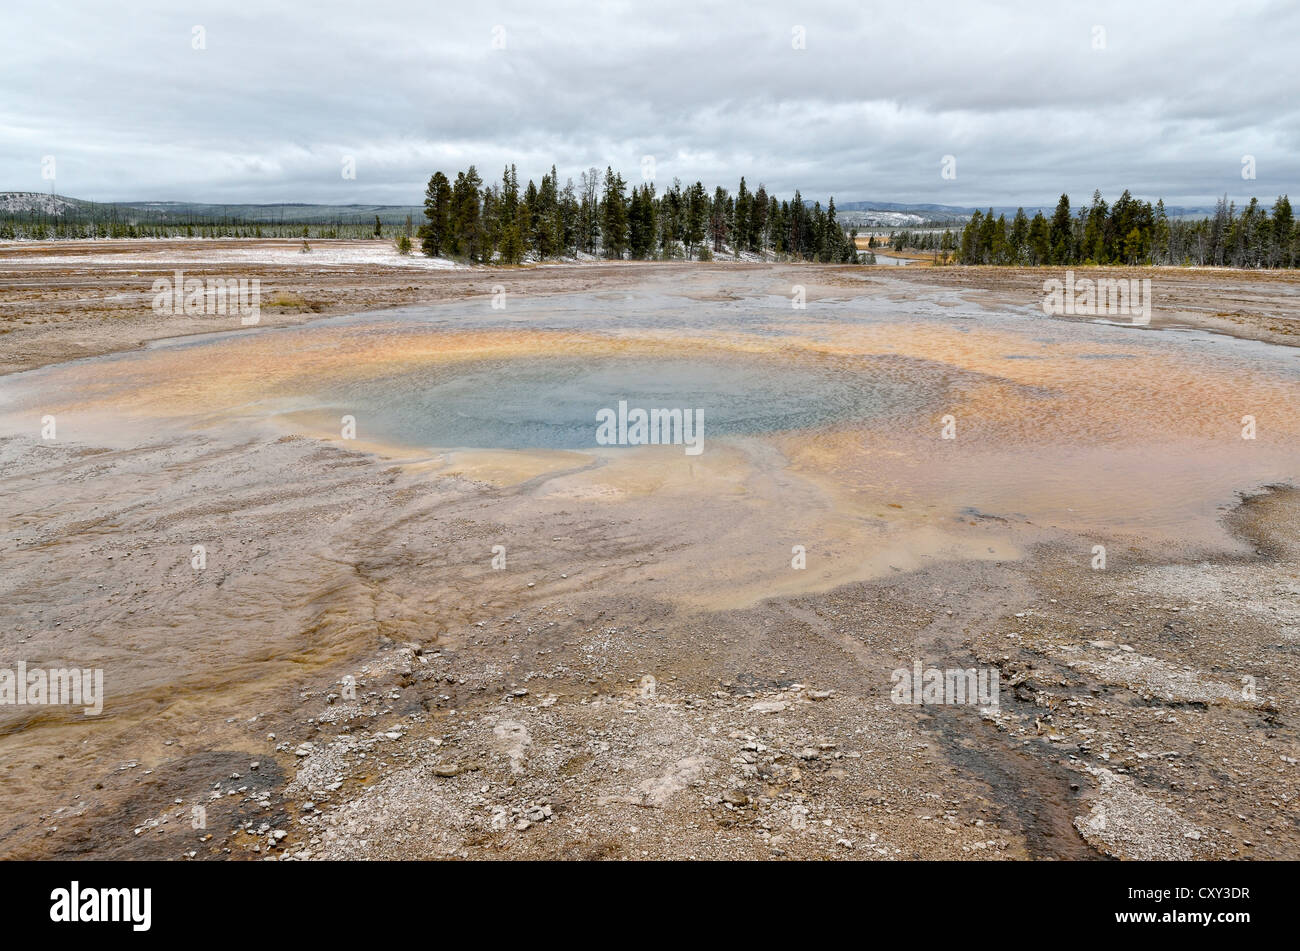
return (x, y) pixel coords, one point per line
(672, 222)
(434, 234)
(1160, 236)
(697, 212)
(1283, 251)
(1094, 233)
(569, 218)
(492, 224)
(613, 221)
(740, 224)
(1018, 238)
(970, 239)
(796, 226)
(1059, 237)
(641, 222)
(988, 227)
(757, 238)
(466, 219)
(718, 218)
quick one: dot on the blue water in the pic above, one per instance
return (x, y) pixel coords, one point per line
(552, 402)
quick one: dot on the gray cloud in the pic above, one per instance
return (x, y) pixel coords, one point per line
(1015, 91)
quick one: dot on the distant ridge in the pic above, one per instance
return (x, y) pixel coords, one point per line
(21, 203)
(932, 212)
(872, 213)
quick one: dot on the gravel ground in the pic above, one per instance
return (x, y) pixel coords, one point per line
(366, 687)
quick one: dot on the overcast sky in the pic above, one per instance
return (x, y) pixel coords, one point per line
(1017, 93)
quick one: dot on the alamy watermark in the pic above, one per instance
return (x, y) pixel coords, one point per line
(215, 297)
(58, 686)
(77, 904)
(933, 686)
(1111, 297)
(653, 427)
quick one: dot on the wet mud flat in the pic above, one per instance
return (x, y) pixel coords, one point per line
(647, 675)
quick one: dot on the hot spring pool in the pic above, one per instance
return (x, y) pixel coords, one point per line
(551, 402)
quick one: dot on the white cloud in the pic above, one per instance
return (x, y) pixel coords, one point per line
(1014, 90)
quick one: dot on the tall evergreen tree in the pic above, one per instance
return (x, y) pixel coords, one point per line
(697, 214)
(466, 217)
(613, 224)
(641, 222)
(757, 238)
(1060, 234)
(435, 232)
(1018, 239)
(1283, 250)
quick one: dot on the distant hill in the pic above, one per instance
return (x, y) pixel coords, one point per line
(885, 211)
(22, 203)
(287, 211)
(875, 214)
(924, 210)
